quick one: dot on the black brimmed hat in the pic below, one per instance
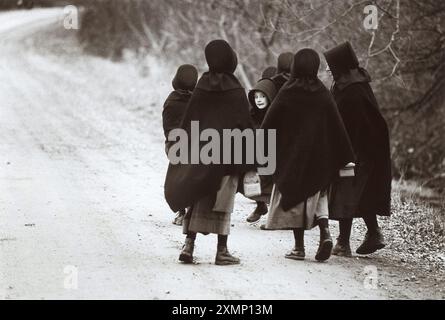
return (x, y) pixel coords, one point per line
(341, 59)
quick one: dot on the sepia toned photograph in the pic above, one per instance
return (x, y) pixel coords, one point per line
(222, 150)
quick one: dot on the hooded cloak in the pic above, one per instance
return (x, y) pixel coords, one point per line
(312, 143)
(185, 78)
(218, 102)
(284, 62)
(368, 133)
(283, 69)
(174, 107)
(269, 72)
(267, 87)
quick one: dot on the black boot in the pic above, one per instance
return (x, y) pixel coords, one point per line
(224, 258)
(373, 241)
(260, 210)
(186, 255)
(342, 247)
(325, 247)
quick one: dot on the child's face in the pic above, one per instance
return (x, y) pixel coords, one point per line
(261, 100)
(329, 72)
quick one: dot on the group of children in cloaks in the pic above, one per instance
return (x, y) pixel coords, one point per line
(320, 134)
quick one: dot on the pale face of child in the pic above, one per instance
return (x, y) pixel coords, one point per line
(328, 72)
(261, 100)
(326, 76)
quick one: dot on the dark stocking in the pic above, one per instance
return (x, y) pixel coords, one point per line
(222, 240)
(371, 224)
(345, 230)
(191, 235)
(323, 223)
(299, 238)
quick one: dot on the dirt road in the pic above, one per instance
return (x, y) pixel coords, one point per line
(81, 191)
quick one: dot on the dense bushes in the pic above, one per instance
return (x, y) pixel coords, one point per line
(8, 4)
(109, 26)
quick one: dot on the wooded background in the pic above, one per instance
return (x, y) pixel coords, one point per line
(405, 55)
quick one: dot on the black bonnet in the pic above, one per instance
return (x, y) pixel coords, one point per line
(284, 62)
(306, 63)
(185, 78)
(220, 57)
(269, 72)
(341, 59)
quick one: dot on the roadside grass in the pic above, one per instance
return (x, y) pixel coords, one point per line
(415, 232)
(417, 228)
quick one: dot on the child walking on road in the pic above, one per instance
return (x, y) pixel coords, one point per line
(312, 146)
(183, 84)
(260, 98)
(219, 102)
(368, 193)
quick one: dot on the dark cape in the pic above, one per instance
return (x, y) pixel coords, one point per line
(283, 70)
(369, 191)
(280, 80)
(312, 143)
(369, 136)
(174, 109)
(218, 102)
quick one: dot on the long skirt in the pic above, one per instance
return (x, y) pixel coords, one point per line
(212, 213)
(303, 215)
(346, 192)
